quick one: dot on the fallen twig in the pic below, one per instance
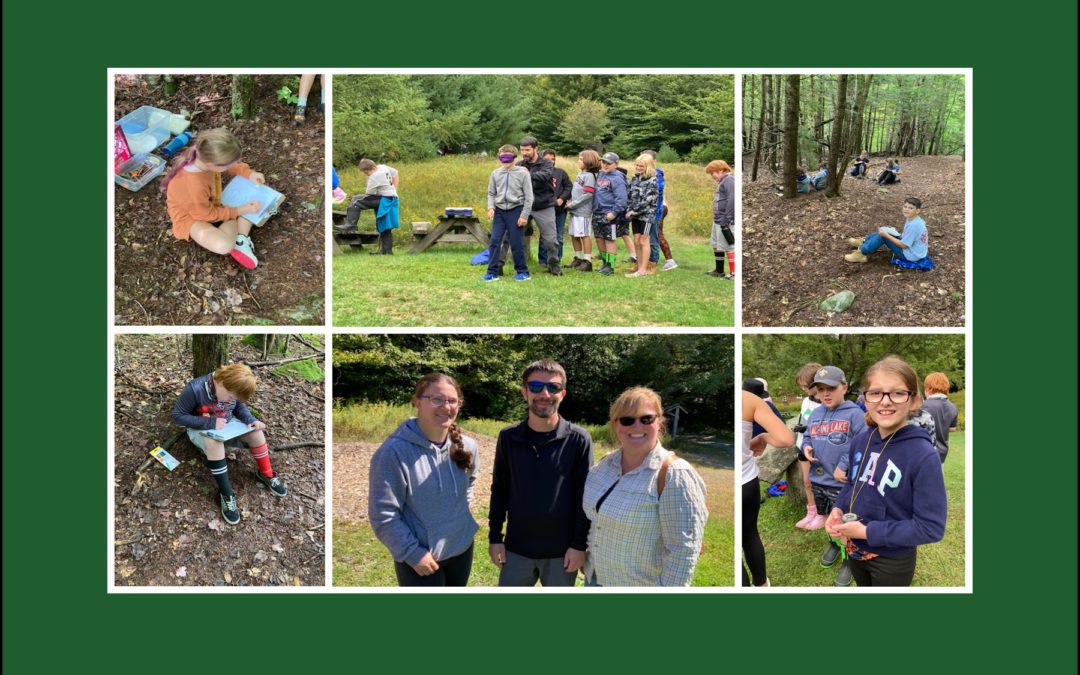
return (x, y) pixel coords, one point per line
(294, 446)
(250, 294)
(278, 362)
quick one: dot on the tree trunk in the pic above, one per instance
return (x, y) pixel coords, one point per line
(837, 147)
(777, 95)
(765, 84)
(208, 353)
(243, 96)
(791, 134)
(855, 132)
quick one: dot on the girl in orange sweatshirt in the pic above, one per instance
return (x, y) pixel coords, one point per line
(193, 188)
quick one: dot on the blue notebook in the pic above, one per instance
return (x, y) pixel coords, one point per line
(240, 191)
(230, 431)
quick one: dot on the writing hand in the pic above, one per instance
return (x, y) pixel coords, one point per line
(220, 423)
(257, 178)
(257, 425)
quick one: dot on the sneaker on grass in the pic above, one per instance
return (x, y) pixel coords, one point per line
(244, 252)
(490, 277)
(669, 265)
(524, 276)
(230, 511)
(277, 488)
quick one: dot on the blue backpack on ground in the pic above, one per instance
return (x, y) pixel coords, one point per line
(925, 263)
(481, 258)
(821, 180)
(802, 184)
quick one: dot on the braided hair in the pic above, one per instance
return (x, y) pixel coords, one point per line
(462, 457)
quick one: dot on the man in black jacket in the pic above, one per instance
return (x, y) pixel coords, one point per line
(537, 484)
(543, 208)
(563, 186)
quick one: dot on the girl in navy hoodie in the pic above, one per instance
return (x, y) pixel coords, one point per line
(895, 499)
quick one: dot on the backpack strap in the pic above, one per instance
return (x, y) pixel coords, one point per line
(661, 478)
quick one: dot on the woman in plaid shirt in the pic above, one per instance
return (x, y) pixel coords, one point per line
(641, 535)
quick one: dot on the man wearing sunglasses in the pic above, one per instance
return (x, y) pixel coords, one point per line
(537, 483)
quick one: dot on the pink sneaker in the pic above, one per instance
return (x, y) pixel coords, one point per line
(816, 523)
(806, 520)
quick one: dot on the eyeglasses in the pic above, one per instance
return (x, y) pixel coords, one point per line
(645, 420)
(537, 387)
(439, 401)
(898, 396)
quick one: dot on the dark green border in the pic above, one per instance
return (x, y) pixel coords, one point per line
(57, 616)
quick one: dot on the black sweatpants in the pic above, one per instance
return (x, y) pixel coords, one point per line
(884, 571)
(752, 548)
(452, 572)
(358, 204)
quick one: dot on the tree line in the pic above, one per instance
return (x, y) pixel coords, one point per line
(793, 120)
(416, 117)
(777, 358)
(695, 371)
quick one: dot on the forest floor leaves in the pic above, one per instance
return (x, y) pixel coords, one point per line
(793, 251)
(168, 525)
(163, 281)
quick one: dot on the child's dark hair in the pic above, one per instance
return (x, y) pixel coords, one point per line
(366, 165)
(528, 142)
(462, 457)
(914, 201)
(548, 151)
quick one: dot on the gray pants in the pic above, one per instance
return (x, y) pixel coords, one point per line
(545, 220)
(521, 571)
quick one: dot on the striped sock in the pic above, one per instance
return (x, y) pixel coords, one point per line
(261, 453)
(718, 258)
(219, 469)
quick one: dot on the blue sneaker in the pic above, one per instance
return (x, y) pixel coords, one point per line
(524, 276)
(491, 277)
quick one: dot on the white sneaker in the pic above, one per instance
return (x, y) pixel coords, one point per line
(244, 252)
(669, 265)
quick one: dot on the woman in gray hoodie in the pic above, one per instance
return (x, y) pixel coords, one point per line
(420, 487)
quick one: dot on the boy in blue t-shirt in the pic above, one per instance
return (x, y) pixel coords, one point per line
(911, 245)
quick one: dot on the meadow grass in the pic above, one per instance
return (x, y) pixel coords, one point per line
(440, 288)
(359, 559)
(792, 555)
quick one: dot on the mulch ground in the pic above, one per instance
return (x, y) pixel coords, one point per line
(793, 251)
(168, 525)
(163, 281)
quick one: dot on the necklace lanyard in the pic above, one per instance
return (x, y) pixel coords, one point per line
(866, 453)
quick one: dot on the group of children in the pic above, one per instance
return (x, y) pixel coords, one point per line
(603, 204)
(845, 449)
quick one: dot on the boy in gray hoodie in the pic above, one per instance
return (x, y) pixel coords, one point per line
(510, 200)
(829, 432)
(419, 492)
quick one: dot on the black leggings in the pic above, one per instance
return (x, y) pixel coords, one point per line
(358, 204)
(884, 571)
(452, 572)
(753, 550)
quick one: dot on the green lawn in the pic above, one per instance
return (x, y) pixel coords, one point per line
(792, 554)
(440, 288)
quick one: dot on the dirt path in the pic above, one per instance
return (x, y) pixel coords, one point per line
(352, 460)
(169, 529)
(163, 281)
(793, 251)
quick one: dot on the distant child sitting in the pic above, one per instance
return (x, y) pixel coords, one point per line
(211, 402)
(193, 191)
(890, 174)
(510, 200)
(819, 180)
(826, 443)
(910, 246)
(381, 196)
(895, 499)
(861, 165)
(813, 520)
(937, 403)
(803, 182)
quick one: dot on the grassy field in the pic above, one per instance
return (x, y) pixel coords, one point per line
(440, 288)
(360, 560)
(792, 554)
